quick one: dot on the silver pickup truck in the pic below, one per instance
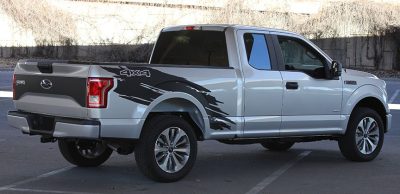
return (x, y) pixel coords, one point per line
(231, 83)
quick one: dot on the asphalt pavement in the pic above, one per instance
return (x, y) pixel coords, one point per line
(28, 166)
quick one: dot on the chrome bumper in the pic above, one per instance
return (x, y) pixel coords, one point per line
(59, 128)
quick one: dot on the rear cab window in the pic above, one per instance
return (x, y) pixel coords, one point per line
(257, 51)
(191, 47)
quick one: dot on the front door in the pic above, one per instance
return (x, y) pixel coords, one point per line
(311, 101)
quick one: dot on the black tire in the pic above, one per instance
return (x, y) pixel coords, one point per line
(278, 146)
(145, 152)
(73, 151)
(348, 143)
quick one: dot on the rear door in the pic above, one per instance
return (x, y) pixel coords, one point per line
(311, 101)
(51, 87)
(262, 84)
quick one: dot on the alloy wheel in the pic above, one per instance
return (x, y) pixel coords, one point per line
(172, 149)
(367, 135)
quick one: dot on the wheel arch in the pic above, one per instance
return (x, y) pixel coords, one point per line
(368, 96)
(376, 105)
(183, 105)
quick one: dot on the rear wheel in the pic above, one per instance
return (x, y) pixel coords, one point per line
(277, 145)
(167, 148)
(364, 136)
(84, 153)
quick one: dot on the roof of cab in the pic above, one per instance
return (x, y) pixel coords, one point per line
(222, 27)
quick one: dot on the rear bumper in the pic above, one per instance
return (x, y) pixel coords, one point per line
(34, 124)
(61, 127)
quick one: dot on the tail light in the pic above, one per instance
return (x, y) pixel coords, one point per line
(97, 92)
(13, 86)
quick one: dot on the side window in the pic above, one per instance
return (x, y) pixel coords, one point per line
(257, 51)
(298, 56)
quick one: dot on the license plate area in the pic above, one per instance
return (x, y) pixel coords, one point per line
(42, 123)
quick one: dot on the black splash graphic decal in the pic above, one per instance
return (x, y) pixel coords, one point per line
(143, 84)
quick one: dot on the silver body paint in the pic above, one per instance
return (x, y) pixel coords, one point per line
(255, 100)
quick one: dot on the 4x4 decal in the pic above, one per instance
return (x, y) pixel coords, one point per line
(134, 72)
(133, 87)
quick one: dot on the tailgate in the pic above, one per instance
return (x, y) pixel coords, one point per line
(51, 87)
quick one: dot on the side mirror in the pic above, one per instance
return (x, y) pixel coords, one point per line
(335, 70)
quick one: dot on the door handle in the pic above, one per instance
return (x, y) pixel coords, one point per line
(292, 85)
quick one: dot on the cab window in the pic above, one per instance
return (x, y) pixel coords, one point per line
(257, 51)
(194, 47)
(299, 56)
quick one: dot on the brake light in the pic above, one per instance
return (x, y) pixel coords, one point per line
(192, 28)
(189, 28)
(97, 92)
(13, 86)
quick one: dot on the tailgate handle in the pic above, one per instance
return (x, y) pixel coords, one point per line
(45, 67)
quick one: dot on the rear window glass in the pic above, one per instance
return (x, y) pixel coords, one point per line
(206, 48)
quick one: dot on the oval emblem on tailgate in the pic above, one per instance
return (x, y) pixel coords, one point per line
(46, 84)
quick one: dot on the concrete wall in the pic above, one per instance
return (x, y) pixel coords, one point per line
(112, 53)
(376, 52)
(357, 52)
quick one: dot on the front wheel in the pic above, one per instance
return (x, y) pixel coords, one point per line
(364, 136)
(167, 148)
(84, 153)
